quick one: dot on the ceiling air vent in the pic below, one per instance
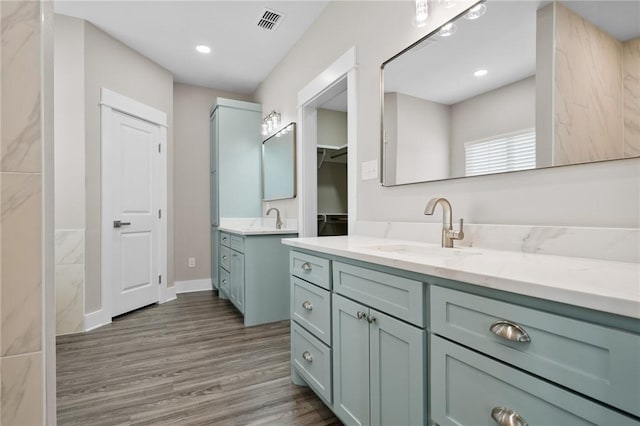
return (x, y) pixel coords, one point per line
(270, 19)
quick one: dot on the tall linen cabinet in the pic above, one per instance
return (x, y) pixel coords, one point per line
(235, 167)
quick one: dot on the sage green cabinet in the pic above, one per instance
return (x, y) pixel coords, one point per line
(236, 279)
(379, 370)
(468, 388)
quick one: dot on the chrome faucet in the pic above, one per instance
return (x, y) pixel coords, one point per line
(278, 219)
(448, 234)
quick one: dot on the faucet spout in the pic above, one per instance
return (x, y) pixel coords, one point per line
(278, 219)
(448, 234)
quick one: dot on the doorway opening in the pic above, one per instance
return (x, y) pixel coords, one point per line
(327, 150)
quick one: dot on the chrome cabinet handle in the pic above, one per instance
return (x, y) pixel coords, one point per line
(307, 305)
(224, 281)
(306, 266)
(307, 356)
(361, 315)
(224, 257)
(510, 331)
(507, 417)
(371, 319)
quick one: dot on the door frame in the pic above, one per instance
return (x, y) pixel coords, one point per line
(111, 102)
(325, 84)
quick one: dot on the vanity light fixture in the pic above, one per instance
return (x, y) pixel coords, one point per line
(270, 123)
(480, 73)
(476, 12)
(422, 13)
(447, 30)
(203, 49)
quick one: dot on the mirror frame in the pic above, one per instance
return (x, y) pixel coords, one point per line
(382, 156)
(295, 165)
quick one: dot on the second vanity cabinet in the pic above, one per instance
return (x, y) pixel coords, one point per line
(412, 349)
(253, 276)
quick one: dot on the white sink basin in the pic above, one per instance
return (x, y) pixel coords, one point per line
(423, 250)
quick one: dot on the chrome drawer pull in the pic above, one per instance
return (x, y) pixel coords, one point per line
(507, 417)
(510, 331)
(371, 319)
(307, 305)
(306, 266)
(224, 257)
(224, 281)
(361, 315)
(307, 356)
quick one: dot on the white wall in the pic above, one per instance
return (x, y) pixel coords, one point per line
(191, 105)
(504, 110)
(601, 194)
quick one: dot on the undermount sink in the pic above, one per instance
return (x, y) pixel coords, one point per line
(422, 250)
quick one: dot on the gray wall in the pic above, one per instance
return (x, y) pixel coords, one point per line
(191, 106)
(560, 196)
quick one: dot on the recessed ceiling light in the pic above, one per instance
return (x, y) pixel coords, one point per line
(203, 49)
(480, 73)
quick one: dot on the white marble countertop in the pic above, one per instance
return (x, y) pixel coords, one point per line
(257, 226)
(602, 285)
(255, 230)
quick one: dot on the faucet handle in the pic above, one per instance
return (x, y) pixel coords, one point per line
(459, 234)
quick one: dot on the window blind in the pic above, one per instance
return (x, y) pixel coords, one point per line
(514, 151)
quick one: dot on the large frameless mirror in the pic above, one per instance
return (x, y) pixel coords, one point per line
(279, 165)
(514, 85)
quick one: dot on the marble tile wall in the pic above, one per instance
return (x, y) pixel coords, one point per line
(631, 96)
(21, 354)
(69, 281)
(588, 91)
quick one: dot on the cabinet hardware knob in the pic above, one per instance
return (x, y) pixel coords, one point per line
(510, 331)
(361, 315)
(507, 417)
(306, 266)
(224, 257)
(307, 356)
(224, 281)
(371, 319)
(307, 305)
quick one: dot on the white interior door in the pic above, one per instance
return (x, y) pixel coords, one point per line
(134, 163)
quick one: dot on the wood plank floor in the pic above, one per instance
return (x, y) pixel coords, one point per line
(186, 362)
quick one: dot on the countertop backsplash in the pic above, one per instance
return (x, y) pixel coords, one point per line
(615, 244)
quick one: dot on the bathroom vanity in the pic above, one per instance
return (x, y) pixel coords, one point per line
(253, 271)
(396, 332)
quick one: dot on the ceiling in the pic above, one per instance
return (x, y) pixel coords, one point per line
(502, 41)
(167, 32)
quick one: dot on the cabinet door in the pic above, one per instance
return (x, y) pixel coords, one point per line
(237, 280)
(398, 382)
(214, 183)
(215, 252)
(350, 361)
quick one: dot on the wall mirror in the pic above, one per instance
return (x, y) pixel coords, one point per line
(279, 164)
(514, 85)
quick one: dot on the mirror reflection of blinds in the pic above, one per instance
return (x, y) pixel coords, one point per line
(514, 151)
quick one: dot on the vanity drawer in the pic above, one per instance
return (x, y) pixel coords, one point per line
(225, 239)
(314, 269)
(312, 360)
(237, 243)
(466, 387)
(400, 297)
(588, 358)
(225, 257)
(311, 308)
(224, 281)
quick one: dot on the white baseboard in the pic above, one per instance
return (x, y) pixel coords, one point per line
(168, 294)
(193, 285)
(96, 319)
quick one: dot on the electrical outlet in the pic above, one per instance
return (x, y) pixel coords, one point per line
(370, 170)
(192, 262)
